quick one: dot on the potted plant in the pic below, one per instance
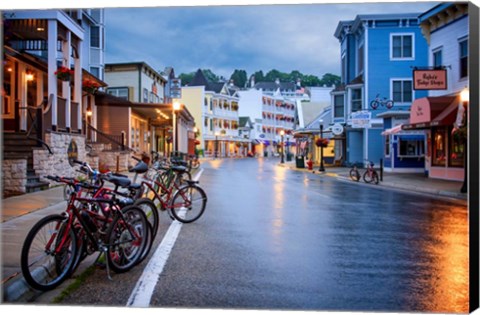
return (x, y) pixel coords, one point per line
(64, 73)
(321, 142)
(90, 86)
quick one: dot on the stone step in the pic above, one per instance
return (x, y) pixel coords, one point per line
(36, 186)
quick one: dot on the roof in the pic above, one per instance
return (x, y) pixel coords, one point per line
(217, 87)
(242, 121)
(137, 64)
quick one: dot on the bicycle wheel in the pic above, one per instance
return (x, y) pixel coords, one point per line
(354, 175)
(188, 203)
(151, 212)
(127, 239)
(67, 191)
(195, 164)
(389, 104)
(368, 177)
(375, 177)
(374, 104)
(48, 253)
(182, 178)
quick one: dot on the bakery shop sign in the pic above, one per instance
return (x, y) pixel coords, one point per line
(430, 79)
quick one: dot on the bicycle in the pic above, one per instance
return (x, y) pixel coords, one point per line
(370, 174)
(354, 173)
(381, 102)
(57, 243)
(185, 201)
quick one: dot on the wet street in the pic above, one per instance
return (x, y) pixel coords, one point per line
(273, 238)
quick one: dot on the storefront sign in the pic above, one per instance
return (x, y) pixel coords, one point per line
(72, 153)
(429, 79)
(176, 88)
(361, 120)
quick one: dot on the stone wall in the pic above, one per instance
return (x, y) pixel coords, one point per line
(58, 163)
(14, 175)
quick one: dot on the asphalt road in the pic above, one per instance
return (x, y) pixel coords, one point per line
(272, 238)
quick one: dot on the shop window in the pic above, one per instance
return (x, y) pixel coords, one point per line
(439, 146)
(410, 147)
(456, 149)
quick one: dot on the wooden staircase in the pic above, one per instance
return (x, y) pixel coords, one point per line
(18, 146)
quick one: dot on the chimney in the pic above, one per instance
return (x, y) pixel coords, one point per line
(252, 81)
(277, 81)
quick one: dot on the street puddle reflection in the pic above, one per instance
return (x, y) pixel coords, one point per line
(448, 247)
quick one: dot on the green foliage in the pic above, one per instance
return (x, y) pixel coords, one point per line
(240, 77)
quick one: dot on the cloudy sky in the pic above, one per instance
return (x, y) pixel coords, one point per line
(286, 37)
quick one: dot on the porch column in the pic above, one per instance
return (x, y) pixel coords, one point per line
(39, 80)
(78, 83)
(66, 92)
(23, 88)
(52, 67)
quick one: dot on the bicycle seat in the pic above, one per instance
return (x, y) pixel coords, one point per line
(179, 168)
(140, 168)
(123, 182)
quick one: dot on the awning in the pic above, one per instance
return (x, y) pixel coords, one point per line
(392, 131)
(429, 112)
(412, 137)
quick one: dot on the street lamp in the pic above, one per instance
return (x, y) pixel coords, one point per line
(465, 98)
(282, 133)
(176, 107)
(321, 169)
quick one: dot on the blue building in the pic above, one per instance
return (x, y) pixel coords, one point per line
(378, 54)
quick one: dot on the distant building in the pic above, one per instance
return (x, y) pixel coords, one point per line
(215, 107)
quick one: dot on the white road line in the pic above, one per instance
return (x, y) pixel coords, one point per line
(143, 291)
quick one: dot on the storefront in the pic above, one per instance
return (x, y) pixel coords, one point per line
(404, 151)
(440, 118)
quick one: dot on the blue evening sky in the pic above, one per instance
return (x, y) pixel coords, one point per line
(223, 38)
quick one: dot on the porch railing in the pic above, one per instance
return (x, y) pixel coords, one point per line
(116, 141)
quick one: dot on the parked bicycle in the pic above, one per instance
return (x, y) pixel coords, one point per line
(170, 187)
(381, 102)
(370, 175)
(57, 243)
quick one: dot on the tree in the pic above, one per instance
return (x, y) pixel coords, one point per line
(210, 76)
(239, 78)
(329, 79)
(259, 77)
(186, 77)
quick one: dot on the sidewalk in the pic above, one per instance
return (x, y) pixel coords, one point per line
(20, 213)
(417, 183)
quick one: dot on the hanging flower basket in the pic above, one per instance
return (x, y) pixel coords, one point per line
(321, 142)
(197, 142)
(90, 86)
(64, 73)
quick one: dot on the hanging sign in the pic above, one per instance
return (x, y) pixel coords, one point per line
(430, 79)
(361, 119)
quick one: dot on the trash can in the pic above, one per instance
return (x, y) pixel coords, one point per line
(299, 161)
(289, 156)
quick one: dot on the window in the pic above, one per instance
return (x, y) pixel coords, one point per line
(95, 71)
(401, 46)
(95, 36)
(119, 92)
(360, 59)
(463, 58)
(437, 58)
(402, 91)
(439, 147)
(356, 100)
(339, 106)
(145, 95)
(456, 149)
(410, 148)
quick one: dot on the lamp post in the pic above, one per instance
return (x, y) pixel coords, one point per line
(282, 133)
(465, 98)
(216, 144)
(176, 107)
(321, 169)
